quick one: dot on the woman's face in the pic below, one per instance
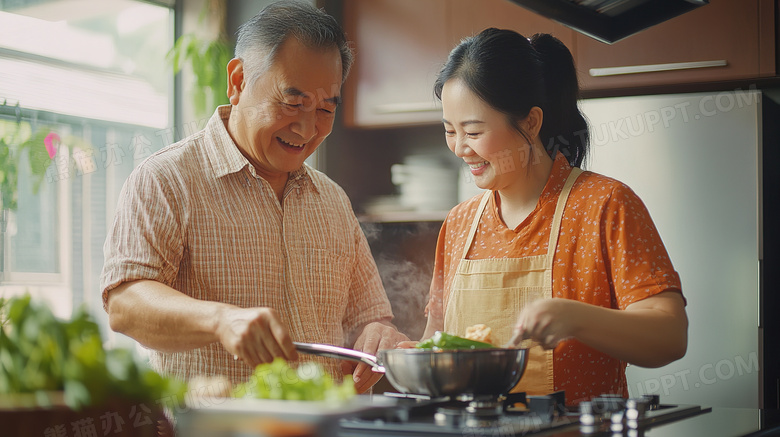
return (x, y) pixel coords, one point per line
(482, 137)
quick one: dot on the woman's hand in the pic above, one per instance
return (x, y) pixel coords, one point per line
(651, 332)
(548, 321)
(406, 345)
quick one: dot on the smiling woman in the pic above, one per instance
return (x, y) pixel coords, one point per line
(549, 253)
(93, 75)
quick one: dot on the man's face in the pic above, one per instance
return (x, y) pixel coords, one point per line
(285, 115)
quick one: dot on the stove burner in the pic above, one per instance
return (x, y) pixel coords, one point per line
(476, 414)
(480, 414)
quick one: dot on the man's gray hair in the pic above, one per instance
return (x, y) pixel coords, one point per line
(259, 39)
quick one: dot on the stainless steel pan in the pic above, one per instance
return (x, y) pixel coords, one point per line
(438, 373)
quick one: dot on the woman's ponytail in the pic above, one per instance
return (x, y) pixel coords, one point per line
(564, 128)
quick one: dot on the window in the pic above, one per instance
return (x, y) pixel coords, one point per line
(85, 95)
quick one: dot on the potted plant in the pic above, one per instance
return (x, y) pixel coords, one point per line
(207, 59)
(55, 374)
(15, 137)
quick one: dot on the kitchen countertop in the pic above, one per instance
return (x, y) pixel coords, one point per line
(723, 422)
(717, 422)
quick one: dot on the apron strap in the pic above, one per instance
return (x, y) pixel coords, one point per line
(555, 229)
(475, 223)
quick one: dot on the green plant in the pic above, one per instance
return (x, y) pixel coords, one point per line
(208, 61)
(40, 354)
(9, 175)
(9, 164)
(17, 139)
(37, 155)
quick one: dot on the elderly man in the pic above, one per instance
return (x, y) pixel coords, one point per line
(226, 246)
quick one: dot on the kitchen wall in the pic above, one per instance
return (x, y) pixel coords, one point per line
(360, 159)
(238, 11)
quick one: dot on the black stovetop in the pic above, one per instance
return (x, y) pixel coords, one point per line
(515, 416)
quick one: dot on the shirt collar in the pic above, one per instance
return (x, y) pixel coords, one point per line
(225, 158)
(303, 176)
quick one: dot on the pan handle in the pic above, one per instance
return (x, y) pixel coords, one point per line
(326, 350)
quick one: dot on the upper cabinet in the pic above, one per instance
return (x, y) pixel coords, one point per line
(400, 46)
(724, 40)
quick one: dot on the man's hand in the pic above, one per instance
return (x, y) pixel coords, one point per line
(255, 335)
(376, 336)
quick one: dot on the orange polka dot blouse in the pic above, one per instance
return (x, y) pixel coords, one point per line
(609, 254)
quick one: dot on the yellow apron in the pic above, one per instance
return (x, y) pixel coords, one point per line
(494, 291)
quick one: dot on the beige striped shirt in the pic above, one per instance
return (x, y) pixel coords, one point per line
(196, 217)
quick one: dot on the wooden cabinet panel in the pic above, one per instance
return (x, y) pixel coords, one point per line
(402, 44)
(469, 17)
(724, 30)
(400, 48)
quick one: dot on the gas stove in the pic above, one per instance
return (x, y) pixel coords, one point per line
(514, 415)
(506, 416)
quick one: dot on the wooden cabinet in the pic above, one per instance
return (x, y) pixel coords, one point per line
(400, 47)
(725, 40)
(402, 44)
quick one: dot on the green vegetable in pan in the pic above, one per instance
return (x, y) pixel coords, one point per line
(443, 341)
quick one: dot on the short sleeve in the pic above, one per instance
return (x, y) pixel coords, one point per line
(146, 238)
(638, 263)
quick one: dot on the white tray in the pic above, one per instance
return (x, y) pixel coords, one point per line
(218, 417)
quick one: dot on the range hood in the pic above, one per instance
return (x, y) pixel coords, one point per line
(610, 20)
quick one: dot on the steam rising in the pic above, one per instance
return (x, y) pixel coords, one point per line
(404, 254)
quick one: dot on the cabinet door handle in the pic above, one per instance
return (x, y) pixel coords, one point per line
(633, 69)
(397, 108)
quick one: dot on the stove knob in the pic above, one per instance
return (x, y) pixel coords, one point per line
(608, 403)
(617, 420)
(636, 408)
(546, 407)
(587, 417)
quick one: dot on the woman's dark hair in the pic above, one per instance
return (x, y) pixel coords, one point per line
(512, 74)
